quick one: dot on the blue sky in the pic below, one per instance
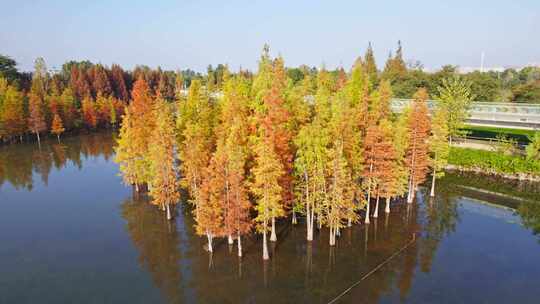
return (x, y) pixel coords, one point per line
(193, 34)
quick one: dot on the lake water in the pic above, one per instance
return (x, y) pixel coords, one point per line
(70, 232)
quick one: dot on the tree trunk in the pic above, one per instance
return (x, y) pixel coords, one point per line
(209, 236)
(387, 208)
(332, 237)
(309, 224)
(231, 241)
(273, 236)
(239, 245)
(349, 223)
(432, 194)
(58, 137)
(38, 140)
(376, 211)
(265, 247)
(169, 217)
(411, 192)
(367, 206)
(294, 221)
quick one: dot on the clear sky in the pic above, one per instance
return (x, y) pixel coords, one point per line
(193, 34)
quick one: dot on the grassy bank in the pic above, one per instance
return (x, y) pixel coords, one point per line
(521, 136)
(489, 162)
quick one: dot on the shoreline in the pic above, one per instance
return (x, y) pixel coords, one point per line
(480, 171)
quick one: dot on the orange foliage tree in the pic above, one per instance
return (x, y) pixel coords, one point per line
(57, 127)
(417, 155)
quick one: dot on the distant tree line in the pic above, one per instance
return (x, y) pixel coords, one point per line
(82, 95)
(85, 95)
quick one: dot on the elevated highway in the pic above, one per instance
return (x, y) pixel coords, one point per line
(493, 114)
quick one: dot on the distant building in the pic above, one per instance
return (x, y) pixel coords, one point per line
(465, 70)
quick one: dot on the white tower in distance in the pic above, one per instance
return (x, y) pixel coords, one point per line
(482, 62)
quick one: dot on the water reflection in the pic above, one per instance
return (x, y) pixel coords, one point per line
(167, 259)
(19, 162)
(157, 241)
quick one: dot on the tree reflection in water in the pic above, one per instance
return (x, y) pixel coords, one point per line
(18, 162)
(302, 272)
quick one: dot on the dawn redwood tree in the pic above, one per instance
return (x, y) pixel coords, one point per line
(233, 141)
(439, 146)
(142, 124)
(101, 84)
(341, 194)
(275, 121)
(370, 66)
(400, 143)
(165, 187)
(310, 164)
(195, 140)
(79, 82)
(266, 187)
(417, 156)
(210, 202)
(126, 155)
(36, 119)
(57, 127)
(369, 176)
(36, 104)
(119, 83)
(89, 113)
(386, 165)
(12, 115)
(71, 118)
(345, 133)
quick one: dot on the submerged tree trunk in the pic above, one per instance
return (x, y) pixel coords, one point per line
(239, 245)
(169, 217)
(376, 211)
(387, 208)
(432, 194)
(265, 245)
(38, 139)
(411, 191)
(273, 236)
(367, 205)
(209, 236)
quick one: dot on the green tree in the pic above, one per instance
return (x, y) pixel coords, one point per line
(439, 145)
(8, 68)
(164, 183)
(455, 97)
(370, 66)
(195, 139)
(533, 148)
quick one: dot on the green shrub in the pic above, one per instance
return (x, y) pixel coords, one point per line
(492, 161)
(533, 149)
(521, 136)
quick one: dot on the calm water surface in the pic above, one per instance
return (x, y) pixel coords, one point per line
(70, 232)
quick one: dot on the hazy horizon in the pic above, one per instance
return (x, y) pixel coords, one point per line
(194, 34)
